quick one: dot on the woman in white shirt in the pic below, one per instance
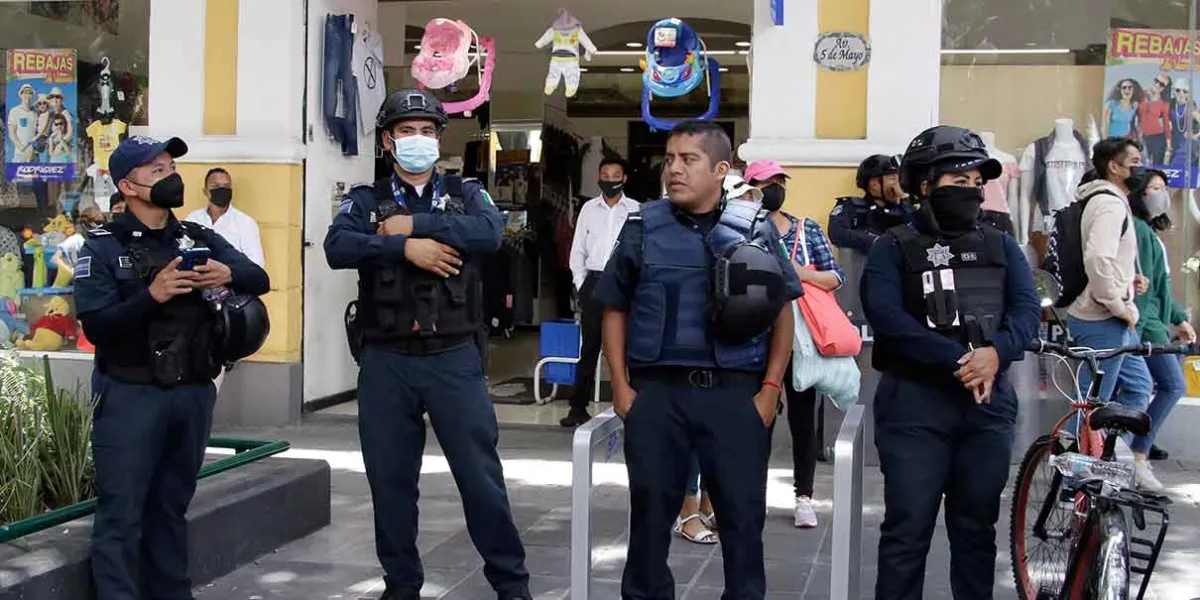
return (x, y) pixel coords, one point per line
(67, 252)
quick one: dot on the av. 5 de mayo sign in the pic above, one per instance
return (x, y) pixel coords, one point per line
(841, 51)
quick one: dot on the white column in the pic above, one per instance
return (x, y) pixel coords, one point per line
(782, 76)
(904, 81)
(177, 68)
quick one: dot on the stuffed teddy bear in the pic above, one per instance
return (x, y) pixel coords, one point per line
(12, 277)
(51, 331)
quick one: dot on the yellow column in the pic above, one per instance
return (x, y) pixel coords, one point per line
(220, 67)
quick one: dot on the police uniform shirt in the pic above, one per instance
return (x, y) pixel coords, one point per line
(616, 286)
(883, 302)
(352, 241)
(112, 302)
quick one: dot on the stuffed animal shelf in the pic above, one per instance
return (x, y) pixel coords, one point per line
(567, 35)
(50, 332)
(12, 277)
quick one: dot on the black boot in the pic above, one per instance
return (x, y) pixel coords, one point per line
(575, 418)
(400, 594)
(1157, 453)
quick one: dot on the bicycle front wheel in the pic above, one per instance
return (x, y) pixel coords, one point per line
(1041, 526)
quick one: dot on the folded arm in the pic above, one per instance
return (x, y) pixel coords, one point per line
(351, 241)
(479, 231)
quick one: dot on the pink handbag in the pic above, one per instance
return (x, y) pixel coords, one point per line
(832, 332)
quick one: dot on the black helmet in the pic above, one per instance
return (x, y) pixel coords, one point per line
(242, 327)
(411, 104)
(876, 165)
(945, 149)
(749, 292)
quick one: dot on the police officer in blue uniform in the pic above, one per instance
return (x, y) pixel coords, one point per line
(417, 240)
(158, 349)
(952, 304)
(856, 222)
(697, 334)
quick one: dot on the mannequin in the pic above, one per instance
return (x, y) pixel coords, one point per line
(592, 158)
(1051, 168)
(1000, 194)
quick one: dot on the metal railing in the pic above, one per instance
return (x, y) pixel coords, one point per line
(605, 428)
(845, 581)
(245, 452)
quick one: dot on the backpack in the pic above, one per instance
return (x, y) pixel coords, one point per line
(1064, 260)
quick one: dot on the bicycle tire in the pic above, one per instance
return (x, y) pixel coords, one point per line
(1020, 522)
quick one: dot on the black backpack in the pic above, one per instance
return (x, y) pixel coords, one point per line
(1064, 260)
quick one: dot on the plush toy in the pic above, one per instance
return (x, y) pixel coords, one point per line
(51, 331)
(8, 318)
(567, 35)
(56, 231)
(12, 277)
(39, 266)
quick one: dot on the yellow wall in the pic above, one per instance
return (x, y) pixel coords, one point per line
(812, 191)
(272, 194)
(220, 67)
(842, 97)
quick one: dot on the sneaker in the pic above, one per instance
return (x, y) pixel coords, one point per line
(575, 418)
(1143, 475)
(804, 516)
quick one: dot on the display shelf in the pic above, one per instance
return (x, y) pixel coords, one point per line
(49, 258)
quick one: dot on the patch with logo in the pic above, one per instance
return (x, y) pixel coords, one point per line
(346, 205)
(487, 197)
(124, 262)
(83, 267)
(969, 257)
(837, 210)
(939, 255)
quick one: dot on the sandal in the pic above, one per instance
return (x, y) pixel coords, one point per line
(709, 520)
(704, 536)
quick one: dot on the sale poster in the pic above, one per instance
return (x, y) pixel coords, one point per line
(42, 97)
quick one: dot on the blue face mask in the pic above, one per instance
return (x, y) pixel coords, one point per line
(415, 153)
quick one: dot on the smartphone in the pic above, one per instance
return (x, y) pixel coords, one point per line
(193, 258)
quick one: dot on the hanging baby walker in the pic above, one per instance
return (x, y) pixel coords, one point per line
(449, 48)
(676, 63)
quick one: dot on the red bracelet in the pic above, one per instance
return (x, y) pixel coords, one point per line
(774, 385)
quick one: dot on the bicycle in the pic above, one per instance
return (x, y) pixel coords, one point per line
(1083, 510)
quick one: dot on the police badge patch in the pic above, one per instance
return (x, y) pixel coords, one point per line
(939, 255)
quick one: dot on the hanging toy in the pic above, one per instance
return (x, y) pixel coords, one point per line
(448, 50)
(567, 35)
(106, 88)
(676, 63)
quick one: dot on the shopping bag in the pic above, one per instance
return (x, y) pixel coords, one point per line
(832, 332)
(835, 376)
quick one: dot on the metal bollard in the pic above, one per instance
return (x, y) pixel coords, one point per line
(845, 581)
(588, 436)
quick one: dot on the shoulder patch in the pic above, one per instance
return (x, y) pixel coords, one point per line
(97, 232)
(83, 267)
(346, 206)
(486, 197)
(837, 210)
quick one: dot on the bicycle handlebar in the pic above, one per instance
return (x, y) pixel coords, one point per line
(1041, 346)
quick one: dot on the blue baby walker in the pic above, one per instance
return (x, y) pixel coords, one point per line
(676, 63)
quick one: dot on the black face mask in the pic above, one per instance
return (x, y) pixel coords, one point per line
(956, 208)
(167, 193)
(221, 197)
(611, 189)
(1136, 179)
(773, 197)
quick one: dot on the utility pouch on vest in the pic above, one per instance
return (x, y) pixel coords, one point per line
(354, 336)
(941, 300)
(425, 298)
(169, 353)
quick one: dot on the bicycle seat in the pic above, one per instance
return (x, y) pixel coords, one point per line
(1122, 418)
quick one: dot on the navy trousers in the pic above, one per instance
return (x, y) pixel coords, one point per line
(670, 420)
(148, 445)
(934, 442)
(338, 84)
(395, 392)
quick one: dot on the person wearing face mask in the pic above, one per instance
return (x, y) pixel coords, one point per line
(418, 239)
(856, 222)
(237, 227)
(807, 245)
(952, 303)
(596, 228)
(1160, 319)
(158, 349)
(697, 334)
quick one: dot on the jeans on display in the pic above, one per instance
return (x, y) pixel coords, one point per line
(339, 86)
(1169, 387)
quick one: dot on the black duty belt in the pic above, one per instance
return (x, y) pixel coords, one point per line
(697, 378)
(416, 346)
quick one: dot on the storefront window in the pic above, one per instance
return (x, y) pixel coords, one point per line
(75, 80)
(1044, 80)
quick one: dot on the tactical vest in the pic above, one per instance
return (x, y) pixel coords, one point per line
(180, 339)
(952, 286)
(881, 219)
(668, 324)
(404, 306)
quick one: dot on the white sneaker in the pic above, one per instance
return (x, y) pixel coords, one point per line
(1143, 475)
(804, 516)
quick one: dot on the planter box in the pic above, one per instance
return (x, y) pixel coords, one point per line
(235, 517)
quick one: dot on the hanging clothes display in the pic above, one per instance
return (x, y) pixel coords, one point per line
(367, 67)
(339, 88)
(449, 48)
(567, 35)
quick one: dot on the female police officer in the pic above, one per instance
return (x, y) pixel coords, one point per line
(156, 356)
(952, 304)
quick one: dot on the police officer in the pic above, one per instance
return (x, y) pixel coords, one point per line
(157, 351)
(695, 308)
(417, 239)
(952, 304)
(856, 222)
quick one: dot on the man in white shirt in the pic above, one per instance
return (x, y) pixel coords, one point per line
(600, 220)
(237, 227)
(22, 126)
